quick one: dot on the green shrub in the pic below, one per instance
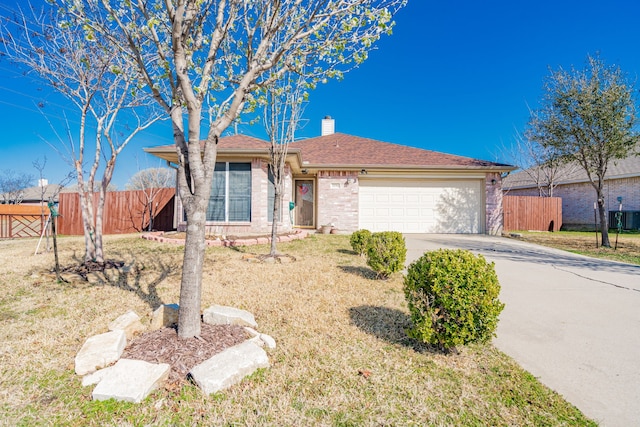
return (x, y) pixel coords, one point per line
(453, 298)
(386, 253)
(359, 241)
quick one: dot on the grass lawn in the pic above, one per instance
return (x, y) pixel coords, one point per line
(330, 319)
(628, 249)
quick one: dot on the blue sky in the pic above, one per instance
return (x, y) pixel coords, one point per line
(456, 76)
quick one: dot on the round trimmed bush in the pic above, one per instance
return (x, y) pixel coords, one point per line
(453, 298)
(386, 253)
(359, 241)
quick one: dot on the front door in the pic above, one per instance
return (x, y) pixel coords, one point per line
(305, 206)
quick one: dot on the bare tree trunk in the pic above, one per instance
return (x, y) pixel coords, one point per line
(86, 203)
(191, 289)
(604, 226)
(106, 179)
(150, 212)
(598, 185)
(99, 253)
(277, 207)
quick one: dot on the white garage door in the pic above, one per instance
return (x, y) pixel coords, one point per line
(421, 206)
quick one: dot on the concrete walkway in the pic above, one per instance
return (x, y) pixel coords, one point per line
(571, 321)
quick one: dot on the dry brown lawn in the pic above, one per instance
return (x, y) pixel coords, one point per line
(626, 250)
(343, 357)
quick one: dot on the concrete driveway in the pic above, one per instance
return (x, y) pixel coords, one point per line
(571, 321)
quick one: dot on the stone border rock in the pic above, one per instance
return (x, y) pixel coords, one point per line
(99, 362)
(161, 236)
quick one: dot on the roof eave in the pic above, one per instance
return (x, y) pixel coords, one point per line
(169, 154)
(408, 168)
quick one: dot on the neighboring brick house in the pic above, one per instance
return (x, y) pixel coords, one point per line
(578, 195)
(351, 183)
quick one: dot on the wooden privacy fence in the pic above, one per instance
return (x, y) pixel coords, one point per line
(124, 211)
(22, 220)
(532, 213)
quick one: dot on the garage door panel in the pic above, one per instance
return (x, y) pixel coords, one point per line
(366, 198)
(427, 198)
(421, 206)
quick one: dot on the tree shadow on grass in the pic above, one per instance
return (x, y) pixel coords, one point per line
(365, 272)
(387, 324)
(140, 277)
(347, 252)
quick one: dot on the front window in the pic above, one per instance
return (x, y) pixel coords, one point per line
(230, 199)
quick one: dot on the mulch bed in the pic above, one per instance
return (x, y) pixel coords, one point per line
(164, 346)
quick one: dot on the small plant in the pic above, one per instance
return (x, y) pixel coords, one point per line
(453, 298)
(359, 241)
(386, 253)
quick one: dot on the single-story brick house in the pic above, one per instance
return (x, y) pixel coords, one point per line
(351, 183)
(578, 195)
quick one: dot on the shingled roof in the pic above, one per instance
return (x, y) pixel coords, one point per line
(339, 149)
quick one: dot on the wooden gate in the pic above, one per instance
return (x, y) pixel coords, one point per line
(532, 213)
(22, 221)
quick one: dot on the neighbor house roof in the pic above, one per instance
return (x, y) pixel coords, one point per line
(573, 173)
(37, 194)
(339, 150)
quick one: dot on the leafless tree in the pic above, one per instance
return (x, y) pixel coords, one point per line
(283, 108)
(149, 182)
(89, 70)
(540, 164)
(12, 185)
(40, 165)
(47, 196)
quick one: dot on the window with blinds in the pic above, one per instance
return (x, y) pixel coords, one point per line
(230, 199)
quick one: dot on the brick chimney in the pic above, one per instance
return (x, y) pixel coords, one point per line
(328, 126)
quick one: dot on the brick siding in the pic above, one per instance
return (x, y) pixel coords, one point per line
(493, 197)
(337, 199)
